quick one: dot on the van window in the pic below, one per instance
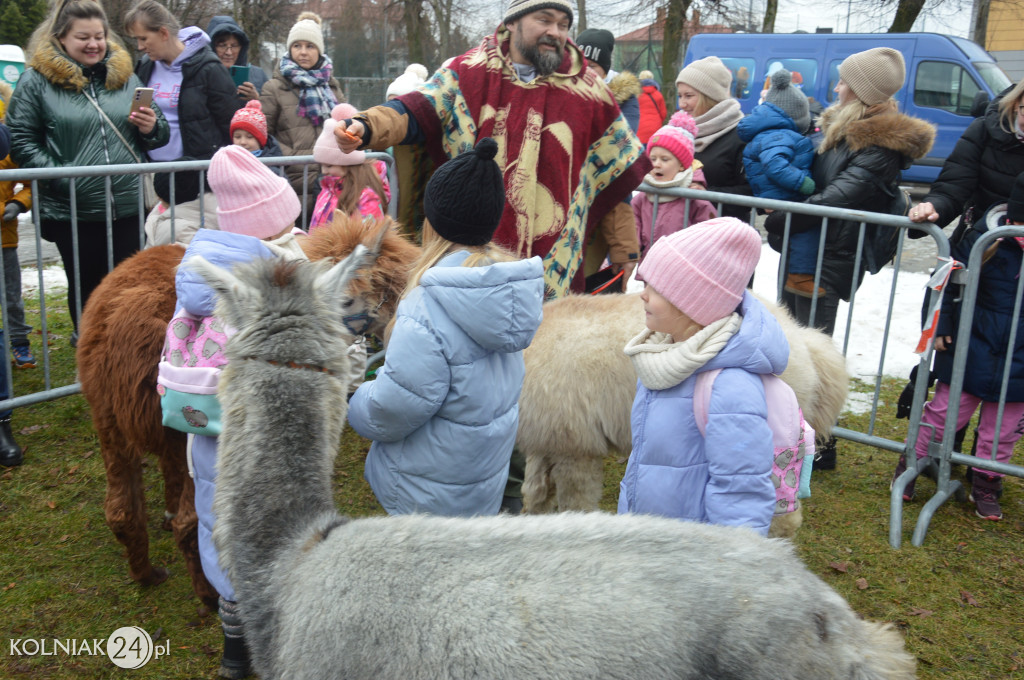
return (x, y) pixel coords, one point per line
(945, 85)
(744, 74)
(993, 76)
(805, 72)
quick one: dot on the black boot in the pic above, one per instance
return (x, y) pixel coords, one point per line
(10, 452)
(235, 662)
(825, 456)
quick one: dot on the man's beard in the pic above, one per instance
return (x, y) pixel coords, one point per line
(545, 62)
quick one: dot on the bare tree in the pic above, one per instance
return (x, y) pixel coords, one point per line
(263, 20)
(907, 12)
(771, 9)
(979, 31)
(671, 48)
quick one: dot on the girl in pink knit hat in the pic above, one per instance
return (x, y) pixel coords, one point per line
(256, 212)
(670, 149)
(700, 317)
(348, 182)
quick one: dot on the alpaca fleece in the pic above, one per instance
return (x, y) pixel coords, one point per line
(559, 596)
(123, 327)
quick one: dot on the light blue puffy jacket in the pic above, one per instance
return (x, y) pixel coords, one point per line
(725, 477)
(444, 409)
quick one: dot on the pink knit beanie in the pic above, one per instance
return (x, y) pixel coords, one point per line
(704, 269)
(251, 199)
(676, 138)
(326, 150)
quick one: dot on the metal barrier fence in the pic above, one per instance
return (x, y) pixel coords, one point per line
(941, 455)
(36, 175)
(940, 452)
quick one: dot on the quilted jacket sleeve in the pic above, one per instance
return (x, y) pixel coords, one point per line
(408, 390)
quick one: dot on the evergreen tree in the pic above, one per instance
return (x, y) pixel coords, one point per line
(13, 27)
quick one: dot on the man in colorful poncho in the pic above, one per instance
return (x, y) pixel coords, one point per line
(567, 155)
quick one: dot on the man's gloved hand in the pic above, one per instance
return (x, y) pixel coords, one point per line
(11, 211)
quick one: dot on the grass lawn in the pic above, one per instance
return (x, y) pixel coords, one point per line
(958, 599)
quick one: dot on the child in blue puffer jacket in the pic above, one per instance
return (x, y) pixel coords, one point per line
(444, 409)
(778, 159)
(700, 317)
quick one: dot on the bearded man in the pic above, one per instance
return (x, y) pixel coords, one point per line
(567, 155)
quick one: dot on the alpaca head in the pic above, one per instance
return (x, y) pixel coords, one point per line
(286, 311)
(377, 289)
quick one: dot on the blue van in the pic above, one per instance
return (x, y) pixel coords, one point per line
(946, 76)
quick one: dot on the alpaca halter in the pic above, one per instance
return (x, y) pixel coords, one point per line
(358, 324)
(295, 364)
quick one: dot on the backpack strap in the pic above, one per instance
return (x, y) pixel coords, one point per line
(702, 397)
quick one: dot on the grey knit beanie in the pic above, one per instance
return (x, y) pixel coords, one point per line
(518, 8)
(709, 76)
(874, 75)
(790, 99)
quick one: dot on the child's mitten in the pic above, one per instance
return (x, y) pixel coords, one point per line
(807, 186)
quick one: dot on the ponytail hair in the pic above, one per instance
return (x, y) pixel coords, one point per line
(151, 15)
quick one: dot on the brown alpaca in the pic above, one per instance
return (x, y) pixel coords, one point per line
(123, 327)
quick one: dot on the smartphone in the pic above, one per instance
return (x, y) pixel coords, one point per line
(240, 74)
(143, 97)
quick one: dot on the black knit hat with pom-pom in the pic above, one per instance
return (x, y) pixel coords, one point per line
(466, 196)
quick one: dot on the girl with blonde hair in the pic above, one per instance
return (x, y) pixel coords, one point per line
(444, 409)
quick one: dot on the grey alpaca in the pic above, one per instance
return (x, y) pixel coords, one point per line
(571, 595)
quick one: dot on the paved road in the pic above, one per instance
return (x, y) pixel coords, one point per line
(27, 244)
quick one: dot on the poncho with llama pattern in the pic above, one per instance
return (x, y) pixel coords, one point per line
(566, 153)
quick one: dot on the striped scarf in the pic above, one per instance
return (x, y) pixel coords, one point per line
(315, 96)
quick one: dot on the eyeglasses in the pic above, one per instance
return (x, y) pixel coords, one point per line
(227, 47)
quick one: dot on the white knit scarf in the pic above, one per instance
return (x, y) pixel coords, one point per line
(682, 179)
(715, 122)
(661, 363)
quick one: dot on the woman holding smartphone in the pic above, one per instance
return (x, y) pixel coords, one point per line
(73, 107)
(231, 45)
(192, 87)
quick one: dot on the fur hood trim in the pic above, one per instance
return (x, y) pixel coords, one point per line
(910, 136)
(625, 85)
(58, 68)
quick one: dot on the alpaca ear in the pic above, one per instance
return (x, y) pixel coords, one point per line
(333, 284)
(231, 291)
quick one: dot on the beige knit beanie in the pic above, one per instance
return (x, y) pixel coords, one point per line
(874, 75)
(519, 8)
(709, 76)
(307, 28)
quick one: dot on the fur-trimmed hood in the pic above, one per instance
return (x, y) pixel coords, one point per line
(625, 85)
(907, 135)
(57, 67)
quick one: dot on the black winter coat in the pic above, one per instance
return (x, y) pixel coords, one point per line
(993, 318)
(206, 103)
(980, 171)
(861, 172)
(723, 170)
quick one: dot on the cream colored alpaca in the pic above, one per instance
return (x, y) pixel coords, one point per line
(579, 390)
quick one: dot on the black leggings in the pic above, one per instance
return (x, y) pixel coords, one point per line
(92, 252)
(824, 313)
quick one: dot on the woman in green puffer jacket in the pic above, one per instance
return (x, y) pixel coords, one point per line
(75, 68)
